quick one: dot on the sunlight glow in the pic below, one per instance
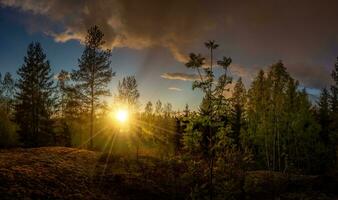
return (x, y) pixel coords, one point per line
(121, 115)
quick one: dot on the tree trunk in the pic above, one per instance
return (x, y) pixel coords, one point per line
(91, 115)
(211, 167)
(91, 125)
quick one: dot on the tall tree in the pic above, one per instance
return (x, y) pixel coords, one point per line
(34, 99)
(280, 122)
(334, 104)
(257, 133)
(334, 89)
(210, 126)
(238, 101)
(324, 115)
(94, 74)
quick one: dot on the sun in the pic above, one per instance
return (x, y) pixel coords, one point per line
(122, 115)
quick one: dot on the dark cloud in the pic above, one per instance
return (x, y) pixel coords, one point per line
(180, 76)
(311, 76)
(292, 30)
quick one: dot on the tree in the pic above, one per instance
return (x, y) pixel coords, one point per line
(158, 108)
(8, 89)
(93, 75)
(186, 110)
(207, 132)
(128, 93)
(238, 101)
(65, 108)
(256, 135)
(148, 108)
(334, 89)
(334, 105)
(282, 130)
(34, 99)
(211, 44)
(167, 110)
(324, 115)
(8, 136)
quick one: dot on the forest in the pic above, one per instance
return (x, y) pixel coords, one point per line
(270, 129)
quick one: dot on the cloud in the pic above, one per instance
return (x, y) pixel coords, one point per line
(180, 76)
(175, 89)
(256, 30)
(311, 76)
(243, 71)
(255, 27)
(125, 23)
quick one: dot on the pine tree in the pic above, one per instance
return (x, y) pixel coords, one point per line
(238, 101)
(206, 131)
(257, 110)
(324, 115)
(34, 99)
(93, 75)
(334, 89)
(310, 151)
(334, 105)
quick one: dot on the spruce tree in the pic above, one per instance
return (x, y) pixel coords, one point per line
(334, 89)
(324, 115)
(334, 105)
(93, 75)
(238, 101)
(34, 102)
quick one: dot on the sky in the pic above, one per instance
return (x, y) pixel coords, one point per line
(151, 39)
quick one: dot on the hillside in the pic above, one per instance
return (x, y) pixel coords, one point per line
(68, 173)
(48, 172)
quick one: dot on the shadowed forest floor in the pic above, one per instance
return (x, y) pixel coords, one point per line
(68, 173)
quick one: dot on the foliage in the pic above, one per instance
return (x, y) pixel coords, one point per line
(34, 99)
(207, 135)
(128, 93)
(281, 126)
(93, 75)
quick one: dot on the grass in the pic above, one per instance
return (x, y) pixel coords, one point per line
(69, 173)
